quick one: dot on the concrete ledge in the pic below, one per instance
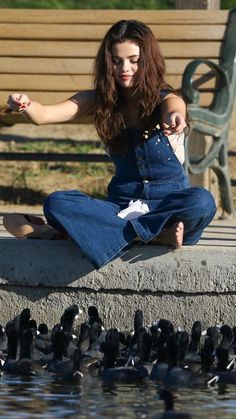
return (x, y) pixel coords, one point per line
(182, 285)
(149, 268)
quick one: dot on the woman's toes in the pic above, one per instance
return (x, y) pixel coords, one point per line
(179, 234)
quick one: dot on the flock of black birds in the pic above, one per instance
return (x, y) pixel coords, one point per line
(157, 352)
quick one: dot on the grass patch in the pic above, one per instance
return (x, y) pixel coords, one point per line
(27, 182)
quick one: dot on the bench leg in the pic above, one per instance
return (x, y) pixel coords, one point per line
(221, 169)
(217, 160)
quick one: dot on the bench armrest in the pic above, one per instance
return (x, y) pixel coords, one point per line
(192, 94)
(217, 114)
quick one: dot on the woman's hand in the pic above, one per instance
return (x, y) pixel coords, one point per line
(40, 114)
(18, 102)
(174, 123)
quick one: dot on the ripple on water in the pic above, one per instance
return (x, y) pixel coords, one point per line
(45, 398)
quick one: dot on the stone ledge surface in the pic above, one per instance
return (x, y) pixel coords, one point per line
(195, 282)
(150, 268)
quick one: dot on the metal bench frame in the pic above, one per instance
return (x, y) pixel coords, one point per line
(214, 121)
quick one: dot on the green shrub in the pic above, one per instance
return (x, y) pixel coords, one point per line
(99, 4)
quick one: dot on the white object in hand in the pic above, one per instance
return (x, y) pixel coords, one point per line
(134, 210)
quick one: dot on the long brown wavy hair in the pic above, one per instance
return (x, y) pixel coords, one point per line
(148, 80)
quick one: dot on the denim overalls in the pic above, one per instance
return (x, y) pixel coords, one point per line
(150, 171)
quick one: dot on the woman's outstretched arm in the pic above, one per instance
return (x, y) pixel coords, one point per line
(173, 109)
(40, 114)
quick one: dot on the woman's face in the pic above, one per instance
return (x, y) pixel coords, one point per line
(125, 58)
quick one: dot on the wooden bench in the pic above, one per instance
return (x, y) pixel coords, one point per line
(49, 55)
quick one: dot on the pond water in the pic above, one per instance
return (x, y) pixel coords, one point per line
(41, 397)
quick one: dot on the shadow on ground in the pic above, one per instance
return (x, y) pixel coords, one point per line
(21, 196)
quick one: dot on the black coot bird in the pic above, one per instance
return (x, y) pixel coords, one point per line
(67, 323)
(24, 366)
(168, 398)
(93, 316)
(109, 373)
(3, 339)
(71, 372)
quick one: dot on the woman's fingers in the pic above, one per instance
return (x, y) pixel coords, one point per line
(18, 102)
(174, 125)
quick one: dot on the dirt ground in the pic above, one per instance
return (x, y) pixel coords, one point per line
(24, 185)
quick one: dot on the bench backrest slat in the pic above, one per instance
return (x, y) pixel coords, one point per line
(49, 54)
(96, 32)
(77, 49)
(73, 66)
(178, 17)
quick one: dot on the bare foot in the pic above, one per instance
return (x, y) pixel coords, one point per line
(171, 236)
(28, 226)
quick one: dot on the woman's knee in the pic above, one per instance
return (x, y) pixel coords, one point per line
(60, 199)
(203, 201)
(52, 201)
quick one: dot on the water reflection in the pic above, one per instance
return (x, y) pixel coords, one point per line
(46, 398)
